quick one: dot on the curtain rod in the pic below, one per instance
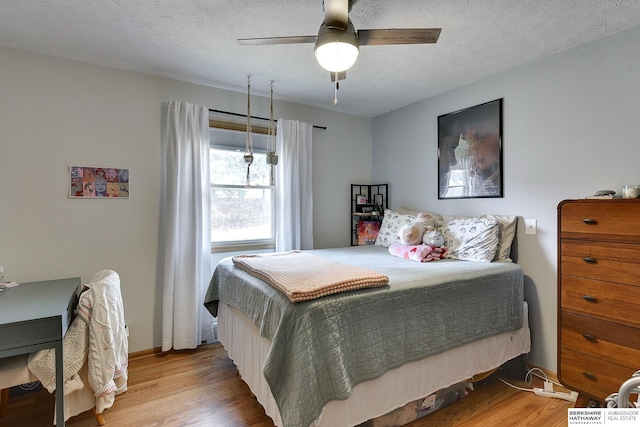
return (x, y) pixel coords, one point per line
(211, 110)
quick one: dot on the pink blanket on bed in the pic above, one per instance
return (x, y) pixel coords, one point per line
(420, 253)
(302, 276)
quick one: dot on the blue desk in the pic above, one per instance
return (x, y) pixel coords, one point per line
(35, 316)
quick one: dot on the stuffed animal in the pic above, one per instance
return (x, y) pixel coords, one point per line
(411, 234)
(433, 238)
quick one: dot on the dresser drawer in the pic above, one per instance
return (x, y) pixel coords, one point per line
(608, 301)
(612, 262)
(612, 220)
(596, 377)
(616, 343)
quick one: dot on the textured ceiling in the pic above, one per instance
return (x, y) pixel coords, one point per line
(195, 41)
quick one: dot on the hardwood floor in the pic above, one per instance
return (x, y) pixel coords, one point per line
(202, 388)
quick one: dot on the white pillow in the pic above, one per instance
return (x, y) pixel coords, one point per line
(407, 211)
(470, 239)
(391, 223)
(506, 233)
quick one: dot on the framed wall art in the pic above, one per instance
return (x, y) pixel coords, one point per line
(378, 200)
(361, 199)
(98, 182)
(470, 152)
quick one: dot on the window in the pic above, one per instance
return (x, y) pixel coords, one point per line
(240, 216)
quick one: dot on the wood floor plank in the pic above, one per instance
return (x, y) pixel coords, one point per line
(201, 388)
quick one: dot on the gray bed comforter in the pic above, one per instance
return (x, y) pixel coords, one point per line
(322, 348)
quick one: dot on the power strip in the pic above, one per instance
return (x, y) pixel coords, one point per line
(571, 397)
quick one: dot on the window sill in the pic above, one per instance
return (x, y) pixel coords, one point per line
(239, 246)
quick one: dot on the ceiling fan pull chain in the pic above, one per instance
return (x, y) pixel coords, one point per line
(335, 92)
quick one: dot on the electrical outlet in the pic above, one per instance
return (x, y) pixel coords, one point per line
(531, 226)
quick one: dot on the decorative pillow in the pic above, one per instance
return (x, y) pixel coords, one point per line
(470, 239)
(506, 233)
(391, 223)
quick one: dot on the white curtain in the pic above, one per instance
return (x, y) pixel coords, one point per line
(186, 231)
(294, 186)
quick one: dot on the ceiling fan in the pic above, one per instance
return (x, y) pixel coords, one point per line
(337, 43)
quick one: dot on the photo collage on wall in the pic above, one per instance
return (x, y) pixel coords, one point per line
(91, 182)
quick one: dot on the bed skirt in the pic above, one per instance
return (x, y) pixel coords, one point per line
(371, 399)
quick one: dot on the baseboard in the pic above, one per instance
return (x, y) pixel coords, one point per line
(157, 351)
(145, 353)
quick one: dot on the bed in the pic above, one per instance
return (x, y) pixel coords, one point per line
(346, 358)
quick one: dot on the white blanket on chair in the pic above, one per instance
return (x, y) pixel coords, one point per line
(95, 350)
(75, 349)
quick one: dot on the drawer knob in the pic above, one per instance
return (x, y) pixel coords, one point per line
(589, 221)
(589, 376)
(590, 298)
(589, 260)
(589, 337)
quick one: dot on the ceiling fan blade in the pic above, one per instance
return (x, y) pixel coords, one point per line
(398, 36)
(277, 40)
(336, 13)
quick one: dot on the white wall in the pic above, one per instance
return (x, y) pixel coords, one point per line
(55, 113)
(568, 131)
(570, 128)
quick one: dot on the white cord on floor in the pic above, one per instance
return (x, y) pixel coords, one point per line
(537, 372)
(515, 386)
(543, 376)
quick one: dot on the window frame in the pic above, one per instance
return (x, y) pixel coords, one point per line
(243, 245)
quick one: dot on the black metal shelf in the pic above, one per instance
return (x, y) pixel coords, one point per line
(368, 203)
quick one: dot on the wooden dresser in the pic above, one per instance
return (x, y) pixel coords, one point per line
(598, 294)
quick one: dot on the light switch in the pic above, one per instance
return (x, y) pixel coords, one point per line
(531, 226)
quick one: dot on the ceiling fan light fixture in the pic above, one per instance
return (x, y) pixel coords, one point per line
(337, 49)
